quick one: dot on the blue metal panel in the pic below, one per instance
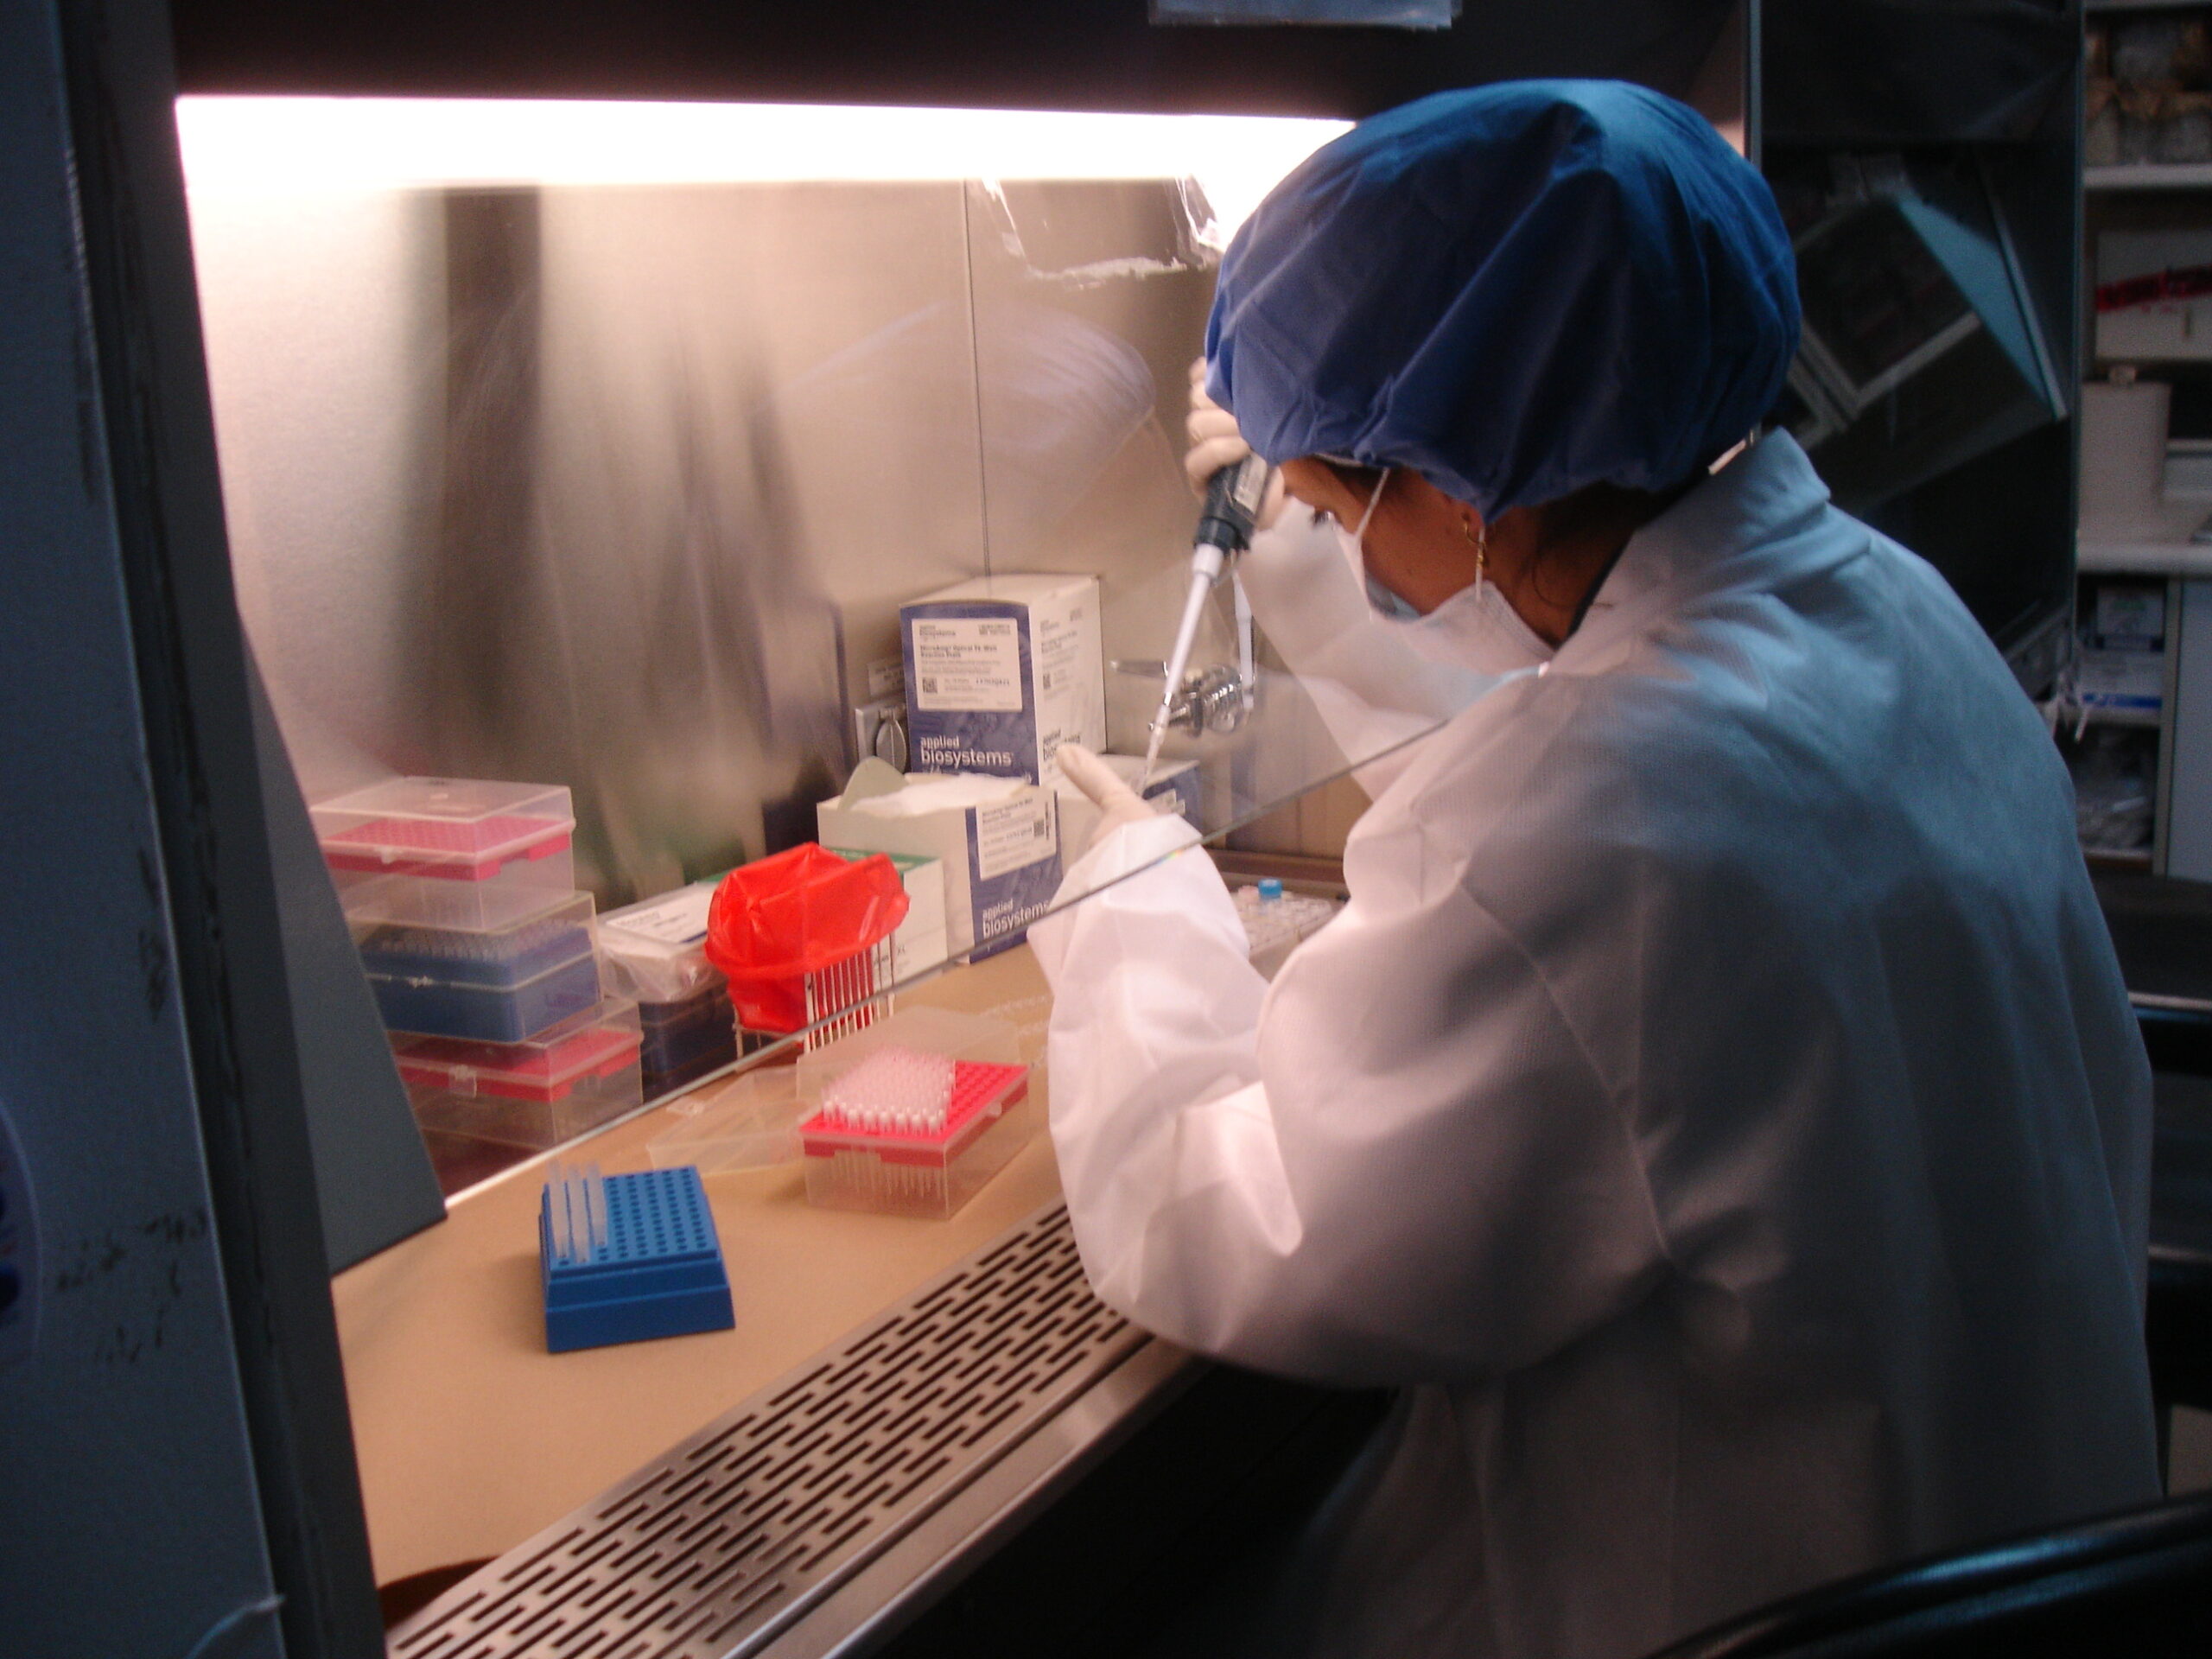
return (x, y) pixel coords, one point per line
(132, 1524)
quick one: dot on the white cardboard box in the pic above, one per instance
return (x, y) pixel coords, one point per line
(1079, 817)
(1000, 855)
(1001, 672)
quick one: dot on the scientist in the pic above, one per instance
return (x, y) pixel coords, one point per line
(1716, 1110)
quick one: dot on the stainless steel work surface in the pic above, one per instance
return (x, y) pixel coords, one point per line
(734, 1535)
(472, 1437)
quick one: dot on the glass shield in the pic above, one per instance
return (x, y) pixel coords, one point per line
(765, 477)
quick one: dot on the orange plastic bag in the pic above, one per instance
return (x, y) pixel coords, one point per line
(774, 922)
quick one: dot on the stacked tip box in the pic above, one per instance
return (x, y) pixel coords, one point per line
(461, 894)
(496, 986)
(625, 1258)
(449, 852)
(538, 1093)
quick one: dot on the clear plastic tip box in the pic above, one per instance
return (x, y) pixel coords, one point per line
(538, 1093)
(495, 985)
(911, 1117)
(628, 1257)
(449, 852)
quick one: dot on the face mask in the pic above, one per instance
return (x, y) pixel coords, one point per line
(1349, 541)
(1475, 628)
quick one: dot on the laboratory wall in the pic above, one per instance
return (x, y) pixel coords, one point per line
(621, 486)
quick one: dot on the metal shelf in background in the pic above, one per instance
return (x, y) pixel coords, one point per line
(2149, 175)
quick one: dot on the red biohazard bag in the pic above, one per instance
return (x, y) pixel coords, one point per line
(777, 921)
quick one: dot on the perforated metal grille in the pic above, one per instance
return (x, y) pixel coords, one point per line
(730, 1536)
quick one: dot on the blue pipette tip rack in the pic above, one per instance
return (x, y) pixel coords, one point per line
(629, 1257)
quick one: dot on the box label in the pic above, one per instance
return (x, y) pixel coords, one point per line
(1183, 785)
(1015, 880)
(680, 918)
(967, 664)
(2121, 679)
(887, 677)
(1013, 835)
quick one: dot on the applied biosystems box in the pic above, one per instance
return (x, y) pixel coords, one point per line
(1002, 671)
(997, 839)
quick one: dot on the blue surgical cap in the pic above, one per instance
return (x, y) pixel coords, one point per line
(1516, 291)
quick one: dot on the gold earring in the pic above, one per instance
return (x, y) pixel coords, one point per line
(1481, 542)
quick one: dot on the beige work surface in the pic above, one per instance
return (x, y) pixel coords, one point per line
(471, 1437)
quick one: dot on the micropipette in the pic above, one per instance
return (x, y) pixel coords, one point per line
(1233, 498)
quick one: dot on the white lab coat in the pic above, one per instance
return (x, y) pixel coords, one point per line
(1718, 1106)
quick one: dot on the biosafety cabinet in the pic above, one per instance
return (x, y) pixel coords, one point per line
(695, 422)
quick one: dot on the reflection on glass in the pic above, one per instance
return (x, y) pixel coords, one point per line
(647, 487)
(1921, 350)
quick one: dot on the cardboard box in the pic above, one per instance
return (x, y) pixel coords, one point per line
(1079, 817)
(1000, 672)
(997, 839)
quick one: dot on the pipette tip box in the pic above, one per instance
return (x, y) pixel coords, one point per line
(898, 1165)
(538, 1092)
(448, 852)
(629, 1257)
(497, 985)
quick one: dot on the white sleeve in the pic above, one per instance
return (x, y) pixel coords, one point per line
(1395, 1164)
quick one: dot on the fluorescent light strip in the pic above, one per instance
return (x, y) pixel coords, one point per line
(285, 145)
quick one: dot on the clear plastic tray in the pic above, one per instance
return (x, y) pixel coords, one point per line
(497, 986)
(538, 1093)
(751, 1123)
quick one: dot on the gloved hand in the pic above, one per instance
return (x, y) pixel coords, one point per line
(1116, 802)
(1215, 443)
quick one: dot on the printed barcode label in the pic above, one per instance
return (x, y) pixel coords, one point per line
(967, 664)
(1013, 834)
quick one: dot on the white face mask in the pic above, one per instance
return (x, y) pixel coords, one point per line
(1477, 628)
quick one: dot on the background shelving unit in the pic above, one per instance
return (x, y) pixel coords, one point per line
(2139, 217)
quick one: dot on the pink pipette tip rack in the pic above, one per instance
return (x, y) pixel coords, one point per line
(447, 852)
(907, 1132)
(463, 830)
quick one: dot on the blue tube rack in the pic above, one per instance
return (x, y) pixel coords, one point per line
(629, 1257)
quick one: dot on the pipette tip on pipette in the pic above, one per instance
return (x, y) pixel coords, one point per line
(1152, 750)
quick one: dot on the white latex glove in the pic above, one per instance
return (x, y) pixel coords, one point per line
(1116, 802)
(1215, 443)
